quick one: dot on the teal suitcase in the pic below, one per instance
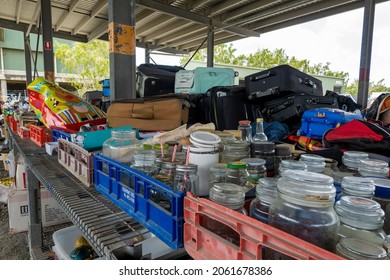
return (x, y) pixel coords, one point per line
(202, 79)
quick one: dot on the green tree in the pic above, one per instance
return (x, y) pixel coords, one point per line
(90, 62)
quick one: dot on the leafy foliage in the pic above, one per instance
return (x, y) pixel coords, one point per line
(89, 61)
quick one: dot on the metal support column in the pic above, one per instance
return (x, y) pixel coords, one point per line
(210, 47)
(121, 33)
(147, 54)
(47, 35)
(365, 53)
(27, 57)
(34, 209)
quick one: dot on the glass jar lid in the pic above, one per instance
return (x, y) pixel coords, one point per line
(237, 165)
(358, 186)
(308, 188)
(360, 212)
(266, 189)
(359, 249)
(254, 161)
(168, 165)
(187, 168)
(227, 194)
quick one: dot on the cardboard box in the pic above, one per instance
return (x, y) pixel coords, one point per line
(18, 212)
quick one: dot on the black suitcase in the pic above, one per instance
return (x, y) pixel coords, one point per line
(225, 106)
(279, 81)
(346, 103)
(294, 105)
(155, 79)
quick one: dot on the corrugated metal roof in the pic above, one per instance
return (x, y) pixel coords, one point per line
(173, 25)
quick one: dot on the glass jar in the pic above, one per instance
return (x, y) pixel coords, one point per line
(358, 249)
(230, 196)
(373, 168)
(145, 161)
(314, 163)
(237, 173)
(246, 130)
(360, 218)
(337, 178)
(304, 208)
(357, 186)
(266, 151)
(167, 172)
(289, 164)
(351, 161)
(217, 174)
(234, 151)
(186, 178)
(121, 146)
(266, 192)
(281, 153)
(256, 169)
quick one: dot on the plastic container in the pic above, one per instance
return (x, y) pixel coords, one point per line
(23, 132)
(304, 208)
(360, 218)
(40, 135)
(134, 193)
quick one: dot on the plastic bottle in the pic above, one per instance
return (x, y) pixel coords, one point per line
(259, 135)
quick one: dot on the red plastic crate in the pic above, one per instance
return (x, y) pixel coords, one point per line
(13, 123)
(202, 244)
(40, 135)
(76, 160)
(23, 132)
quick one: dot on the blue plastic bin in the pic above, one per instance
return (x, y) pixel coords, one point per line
(57, 134)
(150, 202)
(106, 87)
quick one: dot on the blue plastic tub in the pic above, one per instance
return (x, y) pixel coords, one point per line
(150, 202)
(106, 87)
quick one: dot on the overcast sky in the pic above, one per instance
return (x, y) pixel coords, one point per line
(335, 39)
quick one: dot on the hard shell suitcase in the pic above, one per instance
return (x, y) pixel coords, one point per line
(155, 79)
(202, 79)
(279, 81)
(294, 105)
(315, 122)
(226, 106)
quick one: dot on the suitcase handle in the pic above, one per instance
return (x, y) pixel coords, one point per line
(262, 76)
(323, 101)
(260, 94)
(307, 82)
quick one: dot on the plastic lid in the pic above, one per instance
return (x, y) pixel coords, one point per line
(305, 187)
(237, 165)
(227, 194)
(382, 187)
(244, 122)
(204, 137)
(254, 161)
(360, 212)
(359, 249)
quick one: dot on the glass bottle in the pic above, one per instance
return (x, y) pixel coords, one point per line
(304, 208)
(145, 161)
(351, 161)
(256, 170)
(259, 135)
(217, 174)
(314, 163)
(357, 186)
(290, 164)
(246, 130)
(230, 196)
(121, 146)
(373, 168)
(266, 192)
(357, 249)
(186, 178)
(237, 173)
(360, 218)
(266, 151)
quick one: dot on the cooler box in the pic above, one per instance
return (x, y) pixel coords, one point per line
(315, 122)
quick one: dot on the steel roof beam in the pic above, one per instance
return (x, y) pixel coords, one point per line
(19, 5)
(160, 33)
(225, 5)
(65, 14)
(174, 11)
(98, 32)
(178, 35)
(35, 17)
(95, 11)
(195, 43)
(250, 8)
(153, 24)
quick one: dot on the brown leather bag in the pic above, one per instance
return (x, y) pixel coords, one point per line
(162, 112)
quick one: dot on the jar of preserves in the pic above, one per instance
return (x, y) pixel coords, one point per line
(360, 218)
(121, 146)
(373, 168)
(359, 249)
(357, 186)
(266, 192)
(304, 208)
(256, 170)
(314, 163)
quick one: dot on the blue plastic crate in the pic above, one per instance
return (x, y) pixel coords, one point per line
(57, 134)
(106, 87)
(150, 202)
